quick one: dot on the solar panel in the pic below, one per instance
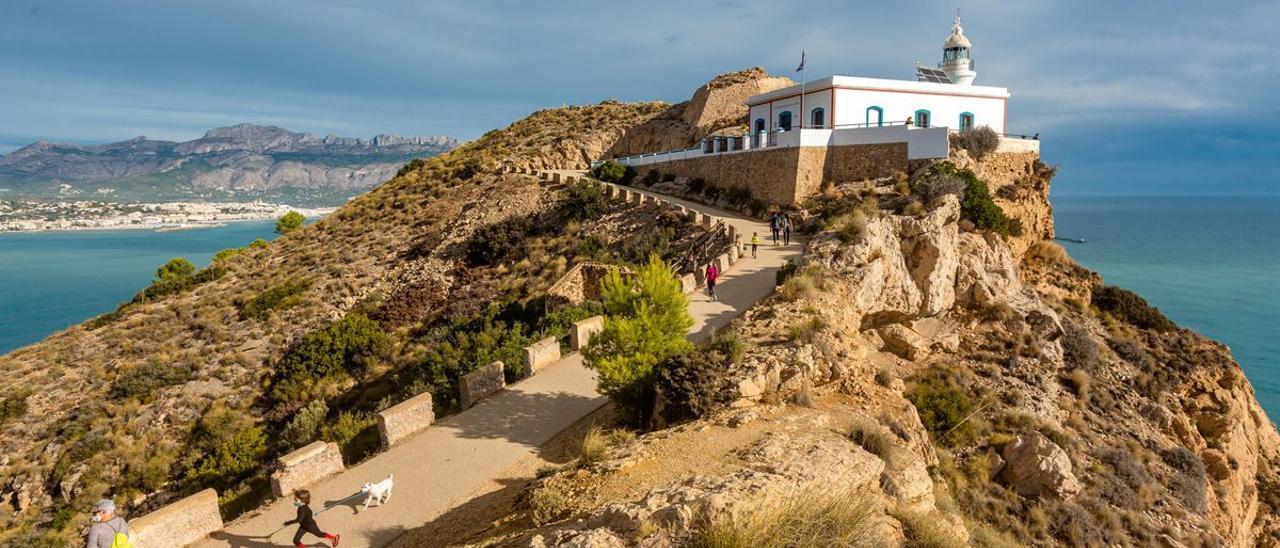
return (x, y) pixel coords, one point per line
(926, 74)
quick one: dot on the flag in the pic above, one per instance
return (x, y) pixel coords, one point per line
(801, 67)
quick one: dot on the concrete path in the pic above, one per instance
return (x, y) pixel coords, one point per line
(447, 464)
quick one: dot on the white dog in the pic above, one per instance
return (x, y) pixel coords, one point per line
(380, 491)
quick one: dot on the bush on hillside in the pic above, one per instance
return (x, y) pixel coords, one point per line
(584, 201)
(645, 325)
(466, 345)
(225, 446)
(305, 424)
(613, 171)
(976, 205)
(1128, 307)
(13, 406)
(942, 407)
(340, 350)
(505, 241)
(930, 189)
(1188, 481)
(175, 276)
(278, 297)
(655, 240)
(290, 222)
(691, 385)
(144, 380)
(979, 141)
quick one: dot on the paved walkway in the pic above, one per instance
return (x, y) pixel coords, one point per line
(445, 465)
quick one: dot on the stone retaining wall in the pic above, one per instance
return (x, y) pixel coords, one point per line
(305, 467)
(182, 523)
(581, 334)
(541, 354)
(789, 175)
(580, 284)
(478, 384)
(405, 418)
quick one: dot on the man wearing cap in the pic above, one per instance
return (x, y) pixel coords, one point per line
(106, 524)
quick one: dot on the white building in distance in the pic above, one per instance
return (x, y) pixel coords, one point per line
(945, 97)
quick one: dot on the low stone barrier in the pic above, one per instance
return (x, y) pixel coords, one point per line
(583, 330)
(182, 523)
(688, 283)
(733, 254)
(405, 418)
(722, 262)
(695, 217)
(557, 178)
(541, 354)
(708, 221)
(478, 384)
(305, 467)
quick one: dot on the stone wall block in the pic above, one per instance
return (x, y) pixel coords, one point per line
(580, 335)
(481, 383)
(181, 523)
(405, 418)
(305, 467)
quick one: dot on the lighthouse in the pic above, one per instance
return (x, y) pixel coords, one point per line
(956, 60)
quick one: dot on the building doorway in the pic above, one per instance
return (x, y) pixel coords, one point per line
(875, 116)
(784, 121)
(818, 118)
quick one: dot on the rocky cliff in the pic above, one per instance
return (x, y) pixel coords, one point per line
(241, 162)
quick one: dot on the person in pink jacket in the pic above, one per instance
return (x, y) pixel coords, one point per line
(713, 274)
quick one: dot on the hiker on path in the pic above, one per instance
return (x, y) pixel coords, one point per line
(108, 530)
(775, 224)
(306, 520)
(713, 274)
(786, 230)
(755, 242)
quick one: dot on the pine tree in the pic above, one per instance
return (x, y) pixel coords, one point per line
(645, 324)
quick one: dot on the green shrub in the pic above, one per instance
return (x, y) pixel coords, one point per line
(258, 243)
(979, 141)
(290, 222)
(976, 205)
(305, 424)
(13, 406)
(787, 270)
(805, 331)
(729, 345)
(613, 171)
(815, 516)
(942, 406)
(356, 434)
(656, 239)
(1128, 307)
(279, 297)
(558, 323)
(175, 276)
(507, 241)
(144, 380)
(932, 188)
(466, 345)
(341, 349)
(584, 201)
(643, 327)
(691, 385)
(227, 254)
(548, 503)
(849, 226)
(227, 446)
(738, 196)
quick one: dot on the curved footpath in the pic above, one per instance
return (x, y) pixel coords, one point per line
(455, 459)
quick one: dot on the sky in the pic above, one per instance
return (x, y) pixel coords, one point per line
(1141, 97)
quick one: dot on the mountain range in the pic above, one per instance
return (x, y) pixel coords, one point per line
(235, 163)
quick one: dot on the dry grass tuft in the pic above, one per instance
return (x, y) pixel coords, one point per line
(814, 516)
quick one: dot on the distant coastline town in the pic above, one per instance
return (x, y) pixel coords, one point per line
(35, 216)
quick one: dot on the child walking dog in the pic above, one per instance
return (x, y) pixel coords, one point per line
(306, 520)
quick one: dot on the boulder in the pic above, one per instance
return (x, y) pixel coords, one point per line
(1037, 467)
(903, 342)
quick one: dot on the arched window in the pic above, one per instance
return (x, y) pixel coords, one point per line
(759, 125)
(784, 120)
(966, 121)
(875, 116)
(818, 117)
(922, 118)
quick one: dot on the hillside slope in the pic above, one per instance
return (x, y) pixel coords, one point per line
(241, 162)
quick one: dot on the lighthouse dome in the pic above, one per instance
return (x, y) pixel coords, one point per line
(957, 38)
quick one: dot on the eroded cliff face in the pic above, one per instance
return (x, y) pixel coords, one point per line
(1015, 407)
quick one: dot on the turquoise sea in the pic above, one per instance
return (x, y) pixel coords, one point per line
(1211, 264)
(51, 280)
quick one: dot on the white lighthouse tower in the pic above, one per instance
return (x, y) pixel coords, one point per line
(956, 60)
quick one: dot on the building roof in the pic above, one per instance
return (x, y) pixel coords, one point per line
(880, 84)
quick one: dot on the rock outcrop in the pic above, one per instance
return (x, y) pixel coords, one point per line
(1037, 467)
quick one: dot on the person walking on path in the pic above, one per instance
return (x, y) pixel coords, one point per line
(306, 520)
(108, 530)
(713, 274)
(755, 243)
(786, 230)
(775, 224)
